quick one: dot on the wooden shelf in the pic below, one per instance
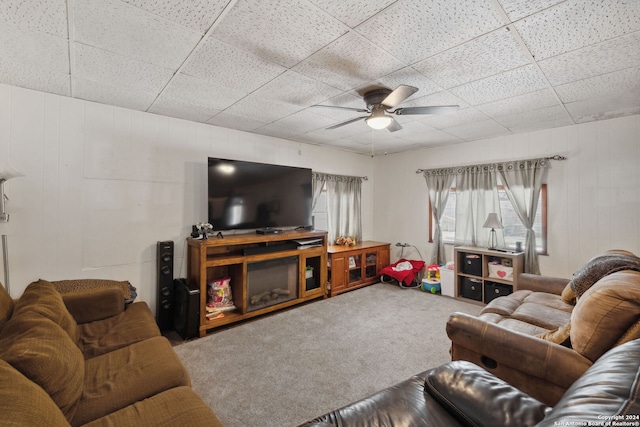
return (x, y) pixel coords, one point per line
(477, 273)
(234, 256)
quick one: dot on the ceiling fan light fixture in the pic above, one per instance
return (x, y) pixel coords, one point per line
(378, 120)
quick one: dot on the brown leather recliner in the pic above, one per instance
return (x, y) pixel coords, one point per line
(538, 341)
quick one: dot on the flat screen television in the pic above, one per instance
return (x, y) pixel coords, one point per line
(247, 195)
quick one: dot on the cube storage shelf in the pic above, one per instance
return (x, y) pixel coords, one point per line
(268, 272)
(483, 274)
(352, 267)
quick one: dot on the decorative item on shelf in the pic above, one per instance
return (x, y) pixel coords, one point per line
(493, 222)
(345, 241)
(308, 272)
(204, 228)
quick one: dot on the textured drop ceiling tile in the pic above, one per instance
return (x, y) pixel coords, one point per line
(478, 130)
(263, 110)
(418, 132)
(110, 68)
(506, 85)
(578, 23)
(112, 94)
(611, 55)
(230, 120)
(277, 131)
(39, 50)
(182, 110)
(439, 98)
(348, 62)
(122, 28)
(411, 77)
(296, 89)
(518, 9)
(230, 66)
(460, 117)
(544, 118)
(46, 16)
(280, 31)
(201, 92)
(612, 85)
(352, 13)
(195, 14)
(304, 121)
(36, 78)
(608, 107)
(520, 104)
(346, 99)
(412, 30)
(481, 57)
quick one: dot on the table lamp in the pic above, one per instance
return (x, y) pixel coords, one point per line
(492, 222)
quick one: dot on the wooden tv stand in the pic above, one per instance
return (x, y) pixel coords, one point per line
(255, 262)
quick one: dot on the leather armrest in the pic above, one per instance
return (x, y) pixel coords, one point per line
(537, 283)
(525, 353)
(478, 397)
(94, 304)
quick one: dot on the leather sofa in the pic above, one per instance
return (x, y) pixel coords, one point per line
(461, 393)
(82, 358)
(540, 339)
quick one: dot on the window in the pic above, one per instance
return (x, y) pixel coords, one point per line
(320, 216)
(513, 229)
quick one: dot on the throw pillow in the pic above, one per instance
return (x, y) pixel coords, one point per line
(43, 352)
(24, 403)
(40, 297)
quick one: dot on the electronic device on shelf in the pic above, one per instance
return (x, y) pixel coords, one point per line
(246, 195)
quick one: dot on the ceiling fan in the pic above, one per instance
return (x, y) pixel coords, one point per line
(380, 107)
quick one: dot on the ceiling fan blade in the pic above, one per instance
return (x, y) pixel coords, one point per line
(347, 122)
(359, 110)
(394, 126)
(401, 93)
(435, 109)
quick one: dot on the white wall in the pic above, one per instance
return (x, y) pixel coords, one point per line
(593, 196)
(103, 184)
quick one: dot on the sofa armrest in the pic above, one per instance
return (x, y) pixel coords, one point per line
(537, 283)
(94, 304)
(478, 397)
(553, 363)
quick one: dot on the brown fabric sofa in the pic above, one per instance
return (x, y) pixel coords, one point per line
(539, 341)
(460, 393)
(81, 358)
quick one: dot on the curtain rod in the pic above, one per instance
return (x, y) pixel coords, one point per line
(556, 157)
(364, 178)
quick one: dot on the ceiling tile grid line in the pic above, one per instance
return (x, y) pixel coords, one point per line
(261, 65)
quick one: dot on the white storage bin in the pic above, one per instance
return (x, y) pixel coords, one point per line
(446, 282)
(498, 271)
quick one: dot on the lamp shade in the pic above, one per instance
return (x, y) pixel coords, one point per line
(492, 221)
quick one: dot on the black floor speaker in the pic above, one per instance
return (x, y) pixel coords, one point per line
(186, 320)
(164, 300)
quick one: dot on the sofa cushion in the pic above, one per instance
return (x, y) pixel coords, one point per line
(477, 397)
(605, 313)
(179, 406)
(43, 352)
(24, 403)
(40, 297)
(6, 306)
(135, 324)
(122, 377)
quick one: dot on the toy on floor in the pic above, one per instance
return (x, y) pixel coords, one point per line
(431, 283)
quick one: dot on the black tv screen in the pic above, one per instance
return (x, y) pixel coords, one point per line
(248, 195)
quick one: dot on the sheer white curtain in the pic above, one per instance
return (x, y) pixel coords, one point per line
(318, 181)
(439, 183)
(476, 197)
(522, 182)
(344, 194)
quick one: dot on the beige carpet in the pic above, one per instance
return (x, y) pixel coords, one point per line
(284, 369)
